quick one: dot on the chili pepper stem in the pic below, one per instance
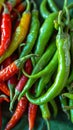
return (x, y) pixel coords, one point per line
(28, 5)
(11, 88)
(5, 9)
(34, 4)
(47, 123)
(21, 61)
(68, 107)
(13, 100)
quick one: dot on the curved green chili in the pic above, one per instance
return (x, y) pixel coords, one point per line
(53, 6)
(40, 65)
(45, 33)
(49, 69)
(45, 113)
(43, 9)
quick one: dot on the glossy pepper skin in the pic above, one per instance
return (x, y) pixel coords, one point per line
(13, 68)
(22, 82)
(19, 35)
(46, 57)
(5, 31)
(45, 33)
(20, 109)
(33, 33)
(43, 9)
(4, 88)
(32, 113)
(50, 69)
(63, 47)
(53, 6)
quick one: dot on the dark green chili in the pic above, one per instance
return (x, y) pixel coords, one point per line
(40, 65)
(53, 6)
(43, 9)
(63, 47)
(33, 33)
(45, 33)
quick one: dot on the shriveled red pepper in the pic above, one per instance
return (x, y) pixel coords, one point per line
(22, 82)
(4, 98)
(32, 111)
(4, 88)
(20, 109)
(12, 3)
(13, 68)
(19, 9)
(5, 30)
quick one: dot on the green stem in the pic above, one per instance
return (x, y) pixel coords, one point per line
(28, 5)
(68, 107)
(48, 125)
(34, 4)
(65, 3)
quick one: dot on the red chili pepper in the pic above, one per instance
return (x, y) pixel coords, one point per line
(13, 68)
(20, 109)
(32, 111)
(22, 82)
(12, 3)
(4, 88)
(11, 85)
(4, 98)
(5, 63)
(13, 80)
(19, 9)
(0, 117)
(5, 31)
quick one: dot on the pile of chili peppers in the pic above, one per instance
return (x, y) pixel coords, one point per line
(36, 59)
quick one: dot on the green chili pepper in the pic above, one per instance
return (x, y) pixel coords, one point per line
(43, 9)
(63, 47)
(53, 6)
(33, 33)
(45, 113)
(46, 31)
(40, 65)
(47, 70)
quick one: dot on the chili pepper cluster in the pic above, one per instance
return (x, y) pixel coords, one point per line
(36, 59)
